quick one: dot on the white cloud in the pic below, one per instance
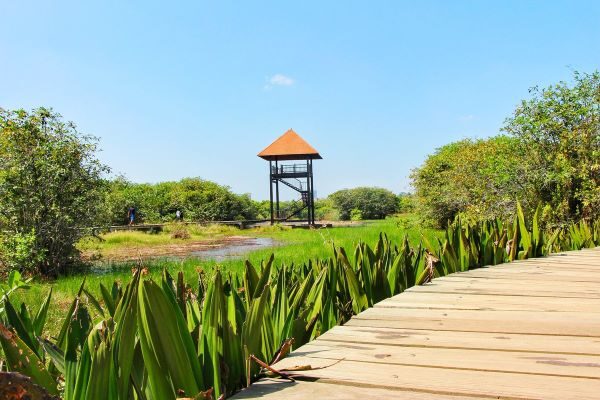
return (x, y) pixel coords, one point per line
(466, 118)
(279, 80)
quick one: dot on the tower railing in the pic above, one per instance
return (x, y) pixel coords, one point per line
(289, 169)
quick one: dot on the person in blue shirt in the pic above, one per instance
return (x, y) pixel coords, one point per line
(131, 215)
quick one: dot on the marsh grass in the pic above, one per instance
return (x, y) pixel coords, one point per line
(294, 246)
(115, 240)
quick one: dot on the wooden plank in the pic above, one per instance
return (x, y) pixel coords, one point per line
(590, 287)
(448, 381)
(531, 343)
(477, 360)
(271, 389)
(554, 323)
(551, 264)
(531, 276)
(537, 269)
(549, 267)
(504, 288)
(541, 275)
(568, 260)
(446, 301)
(502, 293)
(591, 271)
(577, 253)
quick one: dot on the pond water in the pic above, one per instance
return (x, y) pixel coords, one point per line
(234, 250)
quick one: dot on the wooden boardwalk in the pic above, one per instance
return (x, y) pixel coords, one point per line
(524, 330)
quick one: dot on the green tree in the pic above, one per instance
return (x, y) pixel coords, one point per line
(551, 155)
(197, 199)
(51, 188)
(479, 178)
(559, 126)
(368, 202)
(406, 202)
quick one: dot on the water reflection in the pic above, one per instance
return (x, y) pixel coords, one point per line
(228, 251)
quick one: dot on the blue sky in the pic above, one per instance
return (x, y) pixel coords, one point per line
(177, 89)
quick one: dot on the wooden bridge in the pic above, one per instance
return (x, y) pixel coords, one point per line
(524, 330)
(242, 224)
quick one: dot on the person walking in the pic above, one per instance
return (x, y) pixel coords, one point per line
(178, 215)
(131, 215)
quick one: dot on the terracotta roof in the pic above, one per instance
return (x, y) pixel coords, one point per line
(289, 146)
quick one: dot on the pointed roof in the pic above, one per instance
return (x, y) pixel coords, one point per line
(289, 146)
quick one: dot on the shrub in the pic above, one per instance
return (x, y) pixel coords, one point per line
(325, 210)
(19, 252)
(478, 178)
(180, 233)
(356, 215)
(373, 203)
(407, 203)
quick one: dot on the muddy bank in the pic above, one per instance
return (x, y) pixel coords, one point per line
(211, 249)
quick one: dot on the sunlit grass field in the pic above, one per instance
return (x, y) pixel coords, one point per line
(294, 246)
(121, 239)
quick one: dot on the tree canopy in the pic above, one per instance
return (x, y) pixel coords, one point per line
(364, 203)
(550, 155)
(475, 177)
(197, 199)
(51, 187)
(559, 127)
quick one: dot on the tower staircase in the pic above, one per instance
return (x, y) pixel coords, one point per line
(285, 215)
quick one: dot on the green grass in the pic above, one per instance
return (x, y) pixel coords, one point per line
(120, 239)
(295, 246)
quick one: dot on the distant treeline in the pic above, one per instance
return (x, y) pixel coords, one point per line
(197, 199)
(201, 200)
(549, 154)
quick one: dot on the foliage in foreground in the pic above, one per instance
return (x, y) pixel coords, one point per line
(160, 339)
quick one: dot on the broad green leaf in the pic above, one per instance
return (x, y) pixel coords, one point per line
(20, 358)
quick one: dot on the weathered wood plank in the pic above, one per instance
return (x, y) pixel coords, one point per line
(445, 301)
(584, 261)
(531, 274)
(581, 366)
(282, 389)
(505, 288)
(555, 344)
(538, 283)
(549, 323)
(448, 381)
